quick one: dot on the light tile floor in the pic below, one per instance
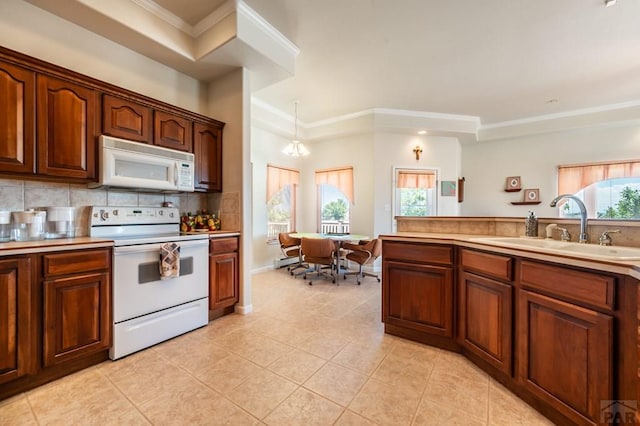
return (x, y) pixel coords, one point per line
(307, 355)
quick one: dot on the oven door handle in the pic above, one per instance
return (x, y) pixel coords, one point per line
(156, 246)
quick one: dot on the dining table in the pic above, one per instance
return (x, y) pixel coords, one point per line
(338, 239)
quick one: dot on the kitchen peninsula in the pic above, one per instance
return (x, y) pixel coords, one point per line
(560, 329)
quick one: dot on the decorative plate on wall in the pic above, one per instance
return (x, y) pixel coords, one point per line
(531, 195)
(513, 184)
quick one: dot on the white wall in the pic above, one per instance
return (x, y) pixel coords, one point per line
(353, 151)
(372, 156)
(229, 101)
(535, 158)
(30, 30)
(266, 149)
(396, 150)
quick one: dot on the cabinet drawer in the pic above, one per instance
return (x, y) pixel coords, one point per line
(75, 262)
(593, 289)
(418, 252)
(489, 264)
(223, 245)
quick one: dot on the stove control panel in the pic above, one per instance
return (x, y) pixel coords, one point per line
(102, 215)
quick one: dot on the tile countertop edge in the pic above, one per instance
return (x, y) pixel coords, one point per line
(223, 234)
(215, 234)
(631, 268)
(62, 244)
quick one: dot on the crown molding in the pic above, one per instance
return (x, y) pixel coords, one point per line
(175, 21)
(467, 129)
(614, 115)
(561, 115)
(165, 15)
(266, 28)
(209, 21)
(265, 116)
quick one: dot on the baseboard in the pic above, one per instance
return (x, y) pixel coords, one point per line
(243, 310)
(285, 261)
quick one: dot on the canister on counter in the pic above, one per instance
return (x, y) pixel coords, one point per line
(5, 226)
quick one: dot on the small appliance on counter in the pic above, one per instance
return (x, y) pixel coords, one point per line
(60, 222)
(5, 226)
(28, 225)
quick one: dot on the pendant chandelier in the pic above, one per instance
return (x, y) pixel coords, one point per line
(295, 148)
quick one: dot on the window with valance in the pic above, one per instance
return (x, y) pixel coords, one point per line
(608, 189)
(282, 183)
(335, 196)
(416, 192)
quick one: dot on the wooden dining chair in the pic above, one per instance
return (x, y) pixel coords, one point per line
(363, 253)
(319, 253)
(291, 248)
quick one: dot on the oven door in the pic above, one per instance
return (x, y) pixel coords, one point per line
(138, 289)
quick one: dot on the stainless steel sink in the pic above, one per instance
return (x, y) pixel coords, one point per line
(561, 247)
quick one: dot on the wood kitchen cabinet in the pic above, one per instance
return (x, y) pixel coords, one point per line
(51, 118)
(417, 288)
(563, 337)
(485, 306)
(77, 304)
(224, 272)
(17, 119)
(17, 339)
(207, 148)
(565, 355)
(566, 333)
(67, 130)
(172, 131)
(127, 120)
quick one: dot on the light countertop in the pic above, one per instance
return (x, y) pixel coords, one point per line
(10, 248)
(58, 244)
(619, 266)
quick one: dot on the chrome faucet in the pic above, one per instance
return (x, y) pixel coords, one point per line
(605, 239)
(584, 237)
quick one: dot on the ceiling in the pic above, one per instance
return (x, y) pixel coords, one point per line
(499, 60)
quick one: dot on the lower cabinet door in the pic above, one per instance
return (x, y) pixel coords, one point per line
(419, 297)
(485, 319)
(16, 343)
(565, 355)
(77, 320)
(223, 277)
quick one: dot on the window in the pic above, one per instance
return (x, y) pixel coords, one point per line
(609, 190)
(281, 200)
(416, 192)
(335, 195)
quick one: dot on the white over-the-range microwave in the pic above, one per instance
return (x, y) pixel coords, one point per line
(134, 165)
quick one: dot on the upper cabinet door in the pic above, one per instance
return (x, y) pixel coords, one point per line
(171, 131)
(17, 115)
(208, 156)
(127, 120)
(67, 130)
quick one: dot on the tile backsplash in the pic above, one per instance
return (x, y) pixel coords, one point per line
(16, 195)
(629, 234)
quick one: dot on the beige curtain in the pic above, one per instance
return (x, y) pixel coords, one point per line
(572, 179)
(341, 178)
(416, 180)
(279, 177)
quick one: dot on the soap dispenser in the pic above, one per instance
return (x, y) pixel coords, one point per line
(531, 225)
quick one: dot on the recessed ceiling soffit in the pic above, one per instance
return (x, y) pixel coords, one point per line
(197, 50)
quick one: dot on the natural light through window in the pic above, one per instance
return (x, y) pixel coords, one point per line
(281, 196)
(334, 210)
(415, 192)
(335, 195)
(608, 190)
